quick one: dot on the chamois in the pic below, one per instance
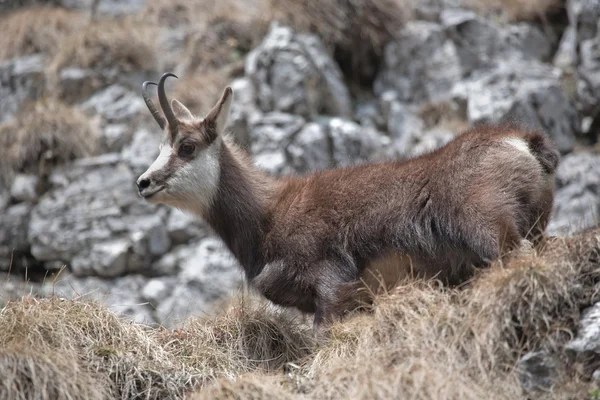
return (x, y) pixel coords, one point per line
(308, 241)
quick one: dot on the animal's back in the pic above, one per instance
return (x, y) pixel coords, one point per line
(457, 206)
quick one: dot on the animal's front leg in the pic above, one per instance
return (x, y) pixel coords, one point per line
(336, 295)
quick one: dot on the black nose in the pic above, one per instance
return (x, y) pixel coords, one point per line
(143, 184)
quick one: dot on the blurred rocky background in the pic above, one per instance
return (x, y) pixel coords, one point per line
(317, 84)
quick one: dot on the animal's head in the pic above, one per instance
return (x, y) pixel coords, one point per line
(186, 172)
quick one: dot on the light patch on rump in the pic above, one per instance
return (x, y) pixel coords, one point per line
(518, 143)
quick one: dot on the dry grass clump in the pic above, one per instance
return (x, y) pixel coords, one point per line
(34, 30)
(125, 44)
(518, 10)
(44, 134)
(248, 387)
(424, 341)
(248, 336)
(201, 90)
(421, 341)
(124, 355)
(536, 301)
(50, 376)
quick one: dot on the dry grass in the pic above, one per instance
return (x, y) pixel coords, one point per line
(34, 30)
(44, 134)
(420, 341)
(125, 44)
(517, 10)
(201, 90)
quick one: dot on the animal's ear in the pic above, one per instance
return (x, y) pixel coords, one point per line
(220, 113)
(181, 111)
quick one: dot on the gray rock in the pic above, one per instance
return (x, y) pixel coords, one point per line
(142, 151)
(565, 57)
(121, 295)
(431, 10)
(4, 198)
(24, 187)
(431, 140)
(588, 333)
(404, 127)
(208, 274)
(577, 199)
(115, 104)
(528, 93)
(115, 136)
(293, 73)
(77, 84)
(270, 137)
(588, 85)
(170, 263)
(95, 221)
(529, 40)
(584, 14)
(156, 289)
(21, 79)
(368, 114)
(13, 235)
(537, 371)
(353, 144)
(108, 7)
(421, 65)
(310, 149)
(183, 227)
(478, 41)
(106, 259)
(273, 162)
(244, 111)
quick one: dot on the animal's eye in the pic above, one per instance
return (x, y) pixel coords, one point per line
(186, 149)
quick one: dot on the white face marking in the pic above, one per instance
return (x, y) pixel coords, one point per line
(518, 144)
(161, 161)
(194, 186)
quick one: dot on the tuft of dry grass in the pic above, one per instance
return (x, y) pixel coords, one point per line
(127, 44)
(201, 90)
(517, 10)
(43, 134)
(50, 376)
(246, 337)
(34, 30)
(421, 340)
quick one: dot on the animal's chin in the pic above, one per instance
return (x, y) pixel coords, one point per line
(158, 196)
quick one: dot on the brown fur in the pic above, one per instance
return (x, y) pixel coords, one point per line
(307, 242)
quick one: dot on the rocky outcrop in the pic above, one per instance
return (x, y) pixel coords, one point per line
(21, 79)
(293, 73)
(577, 200)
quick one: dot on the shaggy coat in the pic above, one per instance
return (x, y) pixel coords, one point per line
(308, 241)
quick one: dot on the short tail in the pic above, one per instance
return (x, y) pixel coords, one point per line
(544, 150)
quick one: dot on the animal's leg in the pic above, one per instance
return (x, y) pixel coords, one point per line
(337, 293)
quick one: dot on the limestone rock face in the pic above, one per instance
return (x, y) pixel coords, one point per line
(293, 73)
(21, 79)
(577, 199)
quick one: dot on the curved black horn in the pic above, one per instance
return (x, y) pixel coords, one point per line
(164, 102)
(153, 110)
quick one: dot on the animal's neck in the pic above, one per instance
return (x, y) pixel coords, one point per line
(239, 213)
